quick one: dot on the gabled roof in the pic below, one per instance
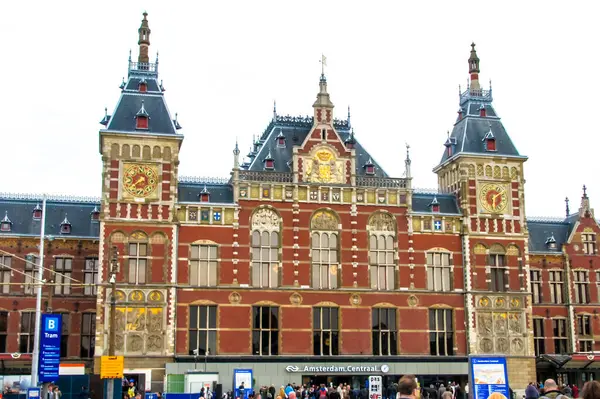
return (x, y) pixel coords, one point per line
(20, 208)
(295, 130)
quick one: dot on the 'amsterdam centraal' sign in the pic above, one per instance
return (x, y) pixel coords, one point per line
(384, 368)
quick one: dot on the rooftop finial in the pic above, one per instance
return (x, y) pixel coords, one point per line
(567, 206)
(274, 110)
(584, 191)
(349, 125)
(323, 65)
(144, 40)
(407, 162)
(474, 69)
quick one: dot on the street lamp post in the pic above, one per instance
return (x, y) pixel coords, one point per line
(35, 361)
(114, 264)
(206, 353)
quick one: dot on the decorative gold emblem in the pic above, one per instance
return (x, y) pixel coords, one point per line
(500, 302)
(355, 300)
(235, 298)
(493, 198)
(324, 168)
(484, 302)
(140, 180)
(412, 301)
(515, 303)
(295, 299)
(324, 220)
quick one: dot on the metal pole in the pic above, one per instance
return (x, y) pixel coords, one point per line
(110, 391)
(38, 302)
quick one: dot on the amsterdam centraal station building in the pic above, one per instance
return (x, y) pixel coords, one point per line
(309, 263)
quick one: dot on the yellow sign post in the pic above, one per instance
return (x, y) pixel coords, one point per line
(111, 367)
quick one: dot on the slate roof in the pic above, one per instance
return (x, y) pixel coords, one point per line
(189, 190)
(447, 202)
(469, 130)
(540, 230)
(78, 211)
(130, 102)
(295, 130)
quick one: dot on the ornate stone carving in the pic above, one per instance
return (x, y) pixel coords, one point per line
(156, 296)
(502, 345)
(324, 220)
(484, 324)
(488, 171)
(412, 301)
(484, 302)
(154, 343)
(480, 249)
(500, 323)
(486, 345)
(119, 341)
(497, 174)
(479, 170)
(136, 296)
(324, 168)
(139, 235)
(515, 323)
(295, 299)
(513, 173)
(512, 250)
(235, 298)
(265, 219)
(515, 303)
(471, 171)
(517, 345)
(135, 343)
(500, 302)
(381, 221)
(355, 300)
(505, 174)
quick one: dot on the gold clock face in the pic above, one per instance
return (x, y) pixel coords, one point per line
(493, 198)
(140, 180)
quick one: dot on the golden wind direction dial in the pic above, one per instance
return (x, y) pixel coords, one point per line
(140, 180)
(493, 198)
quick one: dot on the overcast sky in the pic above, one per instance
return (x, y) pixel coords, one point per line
(397, 64)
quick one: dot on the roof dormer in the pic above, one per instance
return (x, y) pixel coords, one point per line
(5, 224)
(461, 113)
(106, 118)
(280, 139)
(450, 144)
(95, 214)
(176, 123)
(143, 86)
(37, 212)
(434, 205)
(205, 195)
(369, 167)
(269, 162)
(350, 142)
(551, 242)
(65, 226)
(490, 140)
(482, 111)
(141, 118)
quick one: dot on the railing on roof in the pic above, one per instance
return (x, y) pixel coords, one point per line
(203, 180)
(49, 197)
(545, 219)
(300, 121)
(143, 68)
(479, 94)
(428, 191)
(275, 177)
(388, 182)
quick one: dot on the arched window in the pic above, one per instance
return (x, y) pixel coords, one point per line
(498, 269)
(439, 270)
(265, 243)
(382, 251)
(138, 258)
(324, 250)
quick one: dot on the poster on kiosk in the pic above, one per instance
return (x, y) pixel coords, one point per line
(375, 387)
(242, 377)
(488, 377)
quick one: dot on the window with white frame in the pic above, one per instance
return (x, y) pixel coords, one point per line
(556, 282)
(138, 262)
(90, 276)
(265, 259)
(381, 262)
(203, 265)
(581, 282)
(203, 330)
(63, 267)
(498, 269)
(538, 336)
(584, 333)
(439, 271)
(561, 340)
(5, 273)
(441, 332)
(588, 241)
(324, 259)
(535, 281)
(325, 331)
(31, 274)
(384, 331)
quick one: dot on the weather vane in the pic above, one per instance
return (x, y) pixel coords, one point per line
(323, 64)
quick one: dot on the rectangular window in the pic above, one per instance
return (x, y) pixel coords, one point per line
(265, 259)
(581, 280)
(584, 332)
(27, 332)
(63, 267)
(559, 327)
(535, 278)
(90, 276)
(265, 330)
(538, 336)
(441, 332)
(439, 271)
(385, 334)
(31, 274)
(325, 331)
(203, 330)
(555, 277)
(498, 276)
(88, 335)
(324, 260)
(381, 262)
(5, 273)
(203, 265)
(588, 240)
(138, 263)
(64, 336)
(3, 331)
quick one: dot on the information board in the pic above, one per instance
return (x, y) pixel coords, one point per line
(49, 361)
(33, 393)
(489, 377)
(242, 376)
(375, 387)
(111, 367)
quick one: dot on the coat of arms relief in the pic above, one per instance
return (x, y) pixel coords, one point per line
(323, 167)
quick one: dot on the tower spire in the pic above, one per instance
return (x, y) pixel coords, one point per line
(349, 125)
(274, 110)
(323, 106)
(407, 162)
(567, 206)
(144, 40)
(474, 69)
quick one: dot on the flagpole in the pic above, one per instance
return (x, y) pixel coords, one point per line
(38, 303)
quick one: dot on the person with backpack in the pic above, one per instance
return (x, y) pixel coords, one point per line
(551, 390)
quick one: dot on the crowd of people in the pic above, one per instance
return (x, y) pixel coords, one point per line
(551, 390)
